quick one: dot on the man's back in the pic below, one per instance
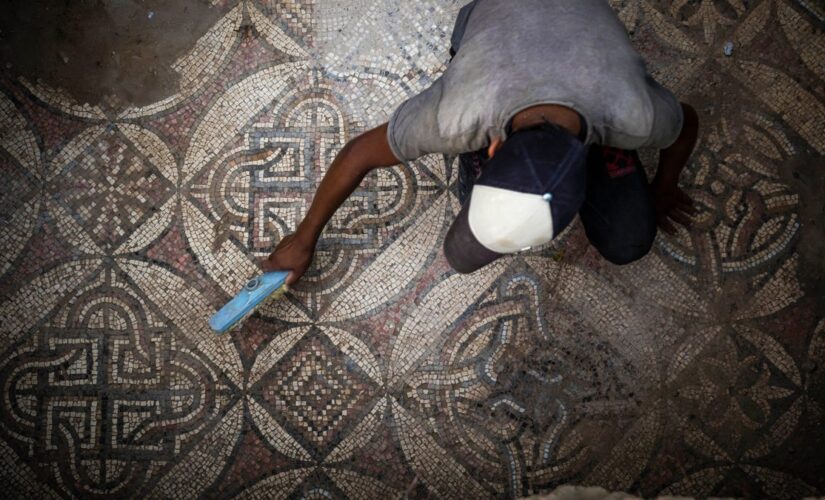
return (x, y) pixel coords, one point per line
(516, 54)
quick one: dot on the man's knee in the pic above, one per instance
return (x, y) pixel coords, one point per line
(627, 253)
(456, 262)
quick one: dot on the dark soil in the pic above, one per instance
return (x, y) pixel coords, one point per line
(121, 51)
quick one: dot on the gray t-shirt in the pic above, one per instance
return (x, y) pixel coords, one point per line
(514, 54)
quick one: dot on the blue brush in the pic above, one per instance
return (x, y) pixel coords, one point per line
(254, 293)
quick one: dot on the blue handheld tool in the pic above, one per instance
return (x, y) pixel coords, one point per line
(255, 292)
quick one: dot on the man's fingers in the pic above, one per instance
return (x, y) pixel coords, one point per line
(271, 264)
(291, 278)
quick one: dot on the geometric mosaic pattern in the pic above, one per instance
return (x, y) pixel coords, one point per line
(695, 371)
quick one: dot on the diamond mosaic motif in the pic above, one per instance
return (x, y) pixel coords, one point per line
(318, 391)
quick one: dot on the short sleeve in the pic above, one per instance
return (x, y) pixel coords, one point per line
(413, 129)
(461, 25)
(668, 116)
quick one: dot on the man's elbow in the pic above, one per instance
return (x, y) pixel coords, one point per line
(350, 147)
(352, 154)
(370, 150)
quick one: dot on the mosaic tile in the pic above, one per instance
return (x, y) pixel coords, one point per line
(105, 177)
(107, 391)
(695, 371)
(22, 167)
(753, 214)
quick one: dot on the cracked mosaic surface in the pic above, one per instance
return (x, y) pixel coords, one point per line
(695, 371)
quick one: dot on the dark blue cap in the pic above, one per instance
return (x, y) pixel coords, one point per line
(547, 161)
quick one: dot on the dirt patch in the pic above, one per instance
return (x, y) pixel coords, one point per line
(120, 51)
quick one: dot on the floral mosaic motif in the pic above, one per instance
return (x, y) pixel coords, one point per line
(517, 392)
(708, 14)
(111, 188)
(384, 373)
(753, 411)
(738, 393)
(748, 215)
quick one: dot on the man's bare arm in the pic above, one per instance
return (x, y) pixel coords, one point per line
(672, 204)
(355, 160)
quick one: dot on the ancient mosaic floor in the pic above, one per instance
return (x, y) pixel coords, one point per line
(695, 371)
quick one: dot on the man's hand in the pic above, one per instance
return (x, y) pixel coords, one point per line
(672, 205)
(293, 254)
